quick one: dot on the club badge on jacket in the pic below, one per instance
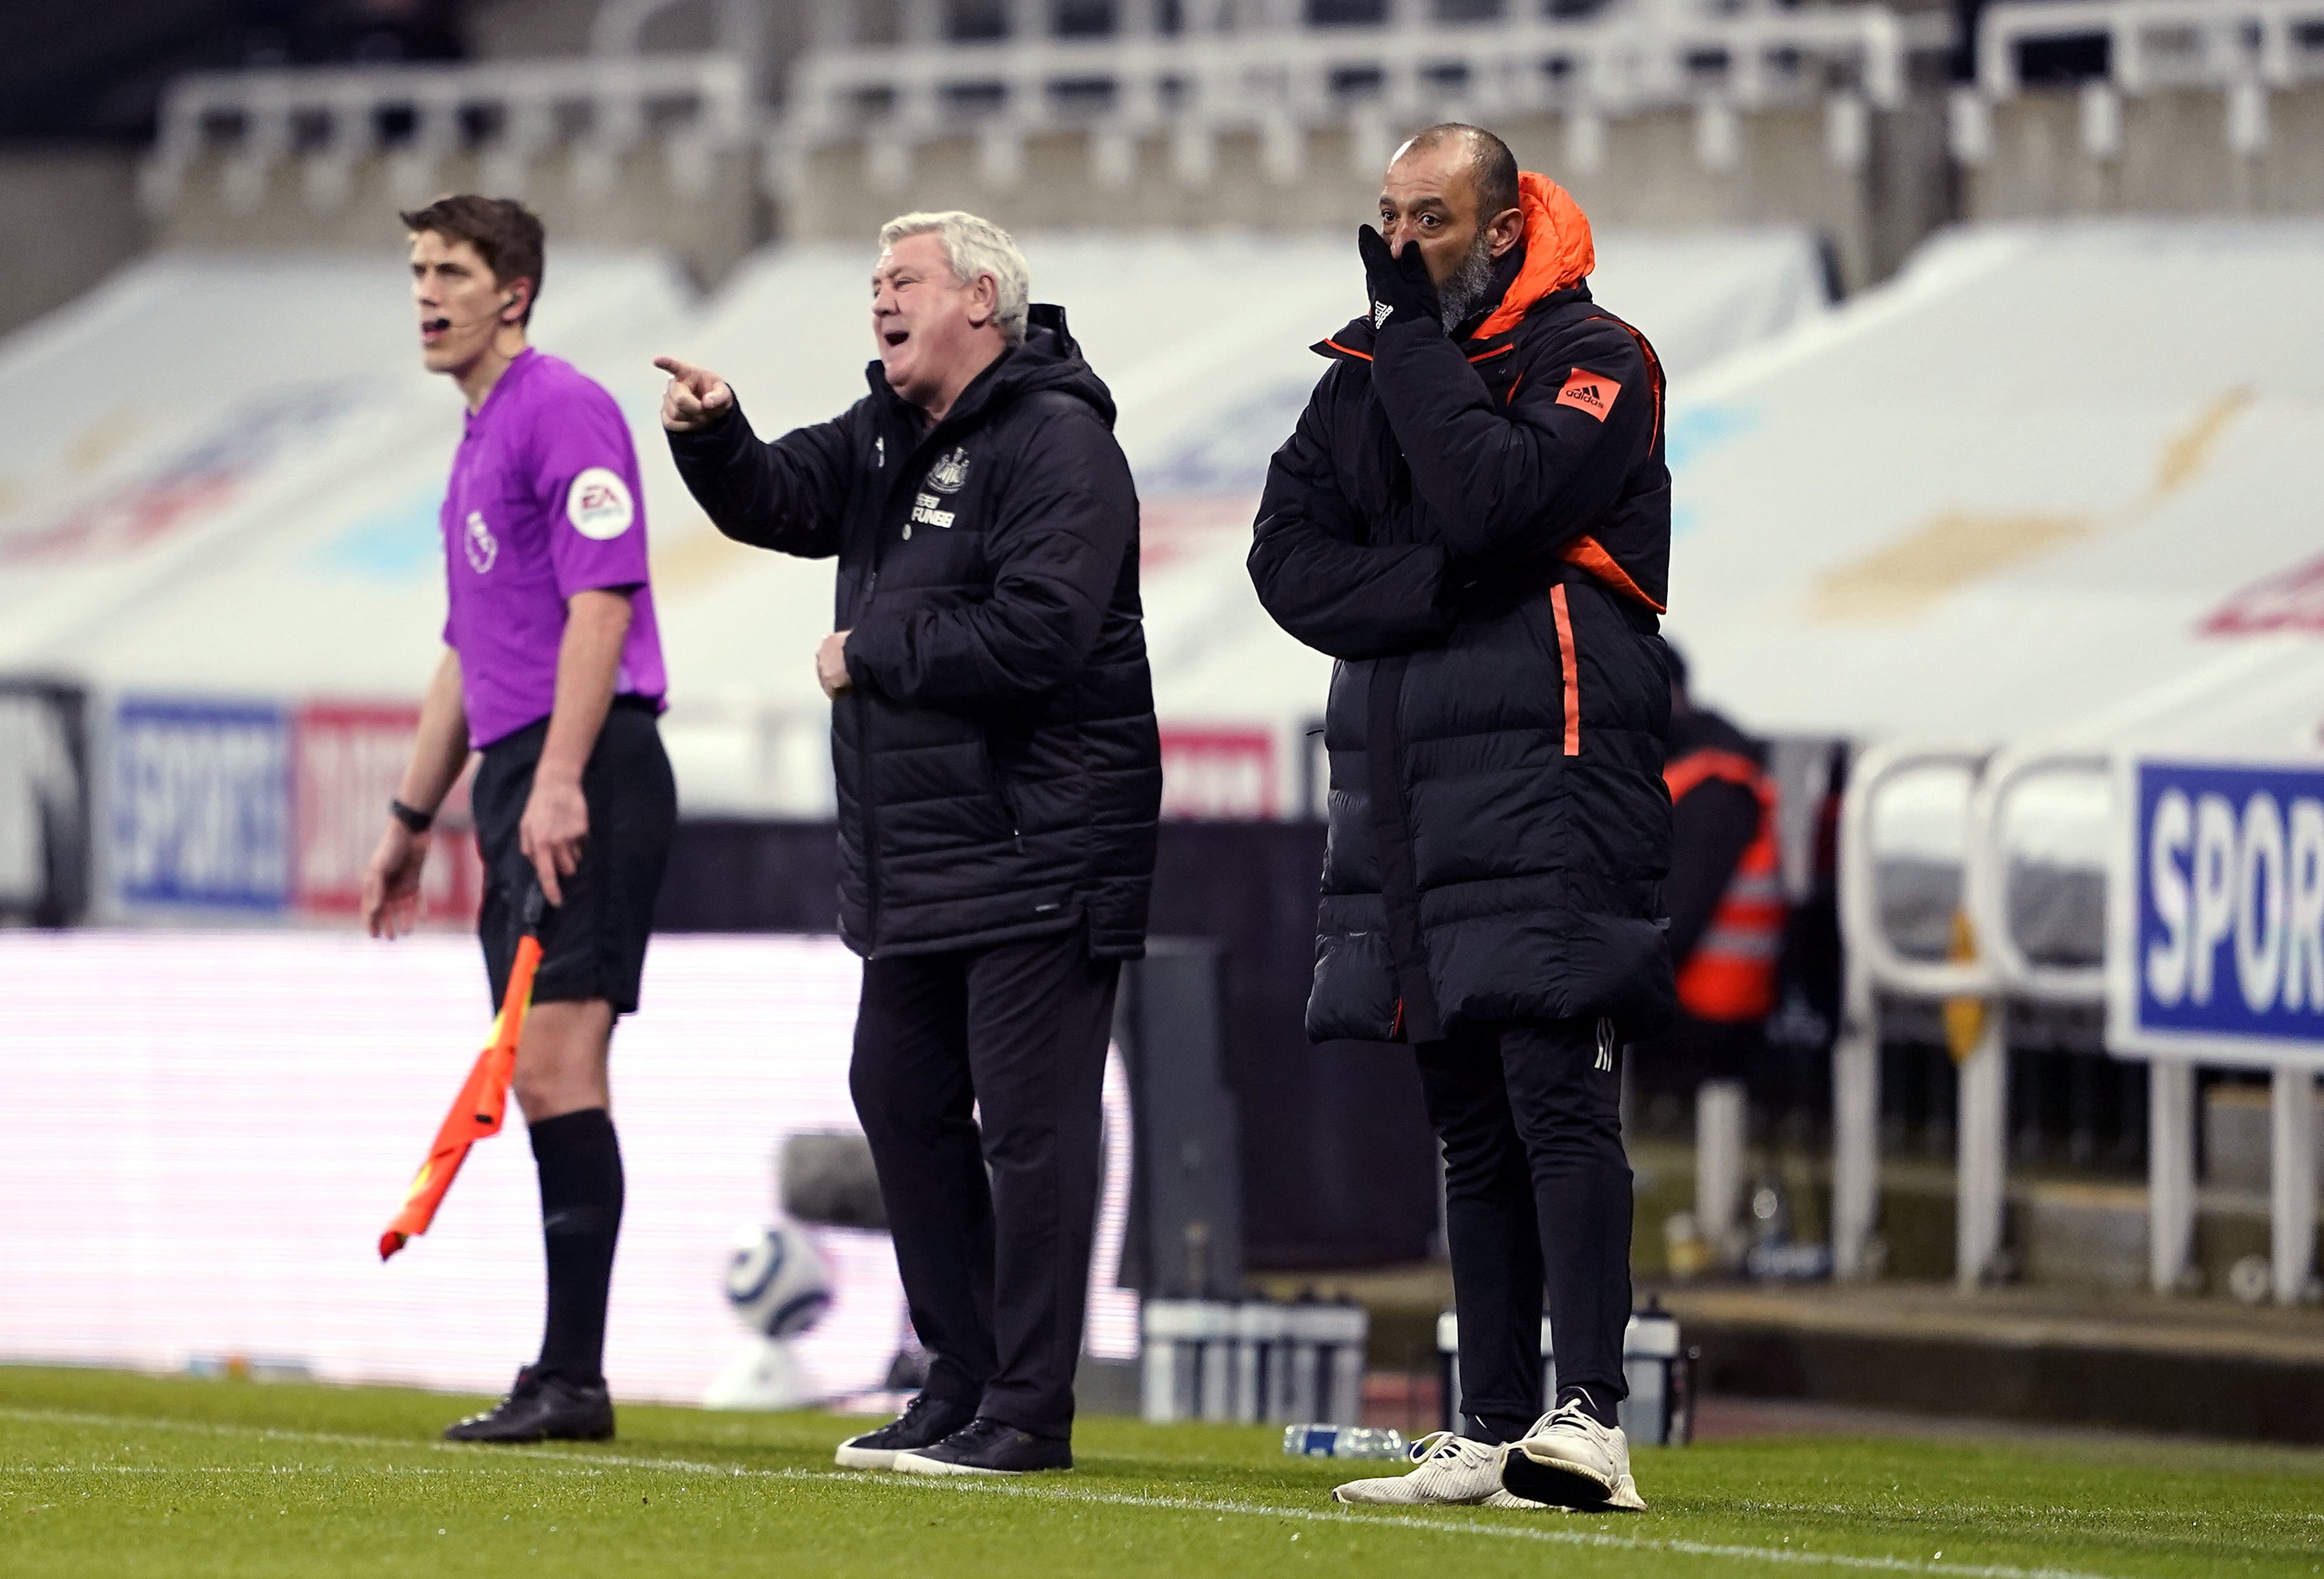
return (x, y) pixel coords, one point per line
(950, 471)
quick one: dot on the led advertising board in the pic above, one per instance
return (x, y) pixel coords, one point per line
(205, 1132)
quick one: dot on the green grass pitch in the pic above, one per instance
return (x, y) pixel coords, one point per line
(103, 1474)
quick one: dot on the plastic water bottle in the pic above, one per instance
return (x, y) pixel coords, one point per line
(1306, 1441)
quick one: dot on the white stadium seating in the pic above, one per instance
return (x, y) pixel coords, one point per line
(2040, 486)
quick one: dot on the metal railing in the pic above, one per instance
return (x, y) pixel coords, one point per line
(2161, 43)
(1282, 81)
(1278, 81)
(2244, 49)
(1874, 963)
(514, 111)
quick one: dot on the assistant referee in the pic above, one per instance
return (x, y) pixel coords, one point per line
(552, 669)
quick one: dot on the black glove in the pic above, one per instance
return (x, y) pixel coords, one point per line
(1401, 290)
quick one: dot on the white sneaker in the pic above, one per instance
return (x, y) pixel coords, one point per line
(1451, 1469)
(1572, 1461)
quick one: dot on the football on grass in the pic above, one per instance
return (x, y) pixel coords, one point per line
(776, 1280)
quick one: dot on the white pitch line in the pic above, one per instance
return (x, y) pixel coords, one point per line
(586, 1463)
(232, 1469)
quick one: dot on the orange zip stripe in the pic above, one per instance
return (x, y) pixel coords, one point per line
(1568, 661)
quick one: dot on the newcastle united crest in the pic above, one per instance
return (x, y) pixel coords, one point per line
(950, 471)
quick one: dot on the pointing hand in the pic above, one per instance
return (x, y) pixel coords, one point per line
(696, 398)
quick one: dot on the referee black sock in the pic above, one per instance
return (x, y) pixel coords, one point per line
(580, 1162)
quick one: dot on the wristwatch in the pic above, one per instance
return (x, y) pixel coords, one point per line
(410, 816)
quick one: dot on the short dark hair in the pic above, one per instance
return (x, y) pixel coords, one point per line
(507, 235)
(1492, 168)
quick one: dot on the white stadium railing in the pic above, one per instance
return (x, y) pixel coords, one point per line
(1874, 965)
(1280, 81)
(2244, 49)
(694, 106)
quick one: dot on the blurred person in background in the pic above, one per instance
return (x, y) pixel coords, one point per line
(999, 774)
(1727, 925)
(552, 669)
(1473, 517)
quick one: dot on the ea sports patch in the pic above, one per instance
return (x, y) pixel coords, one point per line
(1593, 393)
(599, 505)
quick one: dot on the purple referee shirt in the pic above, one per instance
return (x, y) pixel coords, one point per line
(544, 502)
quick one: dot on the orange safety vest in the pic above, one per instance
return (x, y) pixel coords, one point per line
(1730, 976)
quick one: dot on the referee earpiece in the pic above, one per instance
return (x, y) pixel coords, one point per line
(495, 316)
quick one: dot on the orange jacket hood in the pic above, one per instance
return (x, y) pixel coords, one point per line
(1559, 251)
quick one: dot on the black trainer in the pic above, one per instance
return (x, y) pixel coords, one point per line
(924, 1423)
(988, 1447)
(541, 1408)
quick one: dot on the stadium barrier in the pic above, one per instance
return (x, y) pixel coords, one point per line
(2205, 854)
(1338, 1165)
(1254, 1360)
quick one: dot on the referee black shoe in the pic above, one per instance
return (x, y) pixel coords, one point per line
(541, 1408)
(986, 1446)
(924, 1423)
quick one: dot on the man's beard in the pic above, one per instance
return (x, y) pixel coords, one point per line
(1466, 290)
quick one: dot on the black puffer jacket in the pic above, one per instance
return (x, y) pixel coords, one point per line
(1480, 532)
(998, 766)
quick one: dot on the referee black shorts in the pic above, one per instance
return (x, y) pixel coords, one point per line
(594, 945)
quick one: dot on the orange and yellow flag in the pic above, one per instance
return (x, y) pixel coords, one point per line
(476, 1112)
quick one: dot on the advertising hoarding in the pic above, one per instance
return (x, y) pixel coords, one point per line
(207, 1132)
(201, 804)
(256, 808)
(44, 802)
(2216, 902)
(347, 764)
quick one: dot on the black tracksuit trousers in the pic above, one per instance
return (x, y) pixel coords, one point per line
(996, 1273)
(1537, 1193)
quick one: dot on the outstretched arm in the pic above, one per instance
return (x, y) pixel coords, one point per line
(790, 496)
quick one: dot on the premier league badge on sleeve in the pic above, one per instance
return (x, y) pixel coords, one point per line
(599, 504)
(950, 471)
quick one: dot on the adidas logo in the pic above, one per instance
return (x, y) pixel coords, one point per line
(1593, 393)
(1605, 1065)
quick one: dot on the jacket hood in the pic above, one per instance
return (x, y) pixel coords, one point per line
(1049, 359)
(1559, 251)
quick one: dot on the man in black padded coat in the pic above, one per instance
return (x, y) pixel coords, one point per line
(998, 777)
(1473, 516)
